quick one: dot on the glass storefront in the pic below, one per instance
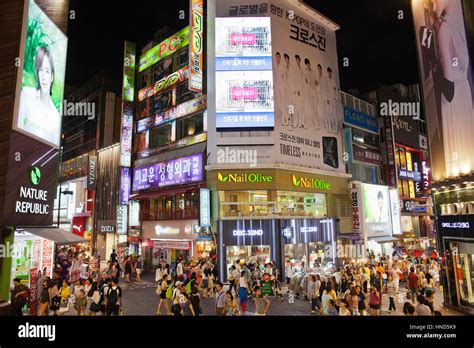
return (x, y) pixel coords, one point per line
(463, 262)
(251, 254)
(234, 204)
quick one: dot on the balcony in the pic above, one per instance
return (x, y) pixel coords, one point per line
(189, 213)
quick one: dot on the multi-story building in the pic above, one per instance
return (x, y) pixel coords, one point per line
(374, 224)
(29, 140)
(278, 182)
(91, 122)
(169, 150)
(406, 163)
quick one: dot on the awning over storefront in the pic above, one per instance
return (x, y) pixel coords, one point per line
(57, 235)
(384, 239)
(351, 236)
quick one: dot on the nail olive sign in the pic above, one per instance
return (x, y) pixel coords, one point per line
(310, 183)
(244, 178)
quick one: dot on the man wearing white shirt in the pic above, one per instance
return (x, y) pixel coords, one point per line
(286, 93)
(180, 268)
(298, 85)
(333, 99)
(280, 86)
(310, 93)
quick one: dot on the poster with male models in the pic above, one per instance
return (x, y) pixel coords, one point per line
(308, 113)
(447, 82)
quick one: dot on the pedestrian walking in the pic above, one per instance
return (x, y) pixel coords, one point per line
(413, 281)
(392, 292)
(221, 300)
(243, 291)
(19, 296)
(138, 268)
(113, 296)
(195, 301)
(128, 268)
(232, 307)
(374, 301)
(262, 304)
(44, 299)
(161, 292)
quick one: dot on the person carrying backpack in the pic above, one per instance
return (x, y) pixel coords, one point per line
(113, 296)
(20, 294)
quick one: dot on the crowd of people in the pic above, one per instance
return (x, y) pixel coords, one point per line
(357, 289)
(351, 290)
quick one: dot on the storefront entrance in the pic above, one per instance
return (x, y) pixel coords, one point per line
(257, 255)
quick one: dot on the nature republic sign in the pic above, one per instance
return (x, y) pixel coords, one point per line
(244, 178)
(310, 183)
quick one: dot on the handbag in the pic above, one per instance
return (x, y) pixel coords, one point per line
(94, 307)
(56, 301)
(64, 306)
(158, 290)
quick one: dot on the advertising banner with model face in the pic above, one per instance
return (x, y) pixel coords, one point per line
(244, 80)
(43, 65)
(308, 115)
(377, 214)
(447, 83)
(308, 112)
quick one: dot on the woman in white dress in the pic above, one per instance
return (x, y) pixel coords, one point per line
(37, 113)
(456, 98)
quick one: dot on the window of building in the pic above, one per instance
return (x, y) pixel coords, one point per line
(365, 173)
(190, 126)
(301, 204)
(182, 59)
(243, 203)
(160, 136)
(366, 138)
(183, 94)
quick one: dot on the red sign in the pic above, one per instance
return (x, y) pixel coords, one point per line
(90, 201)
(355, 210)
(37, 254)
(33, 289)
(47, 257)
(78, 224)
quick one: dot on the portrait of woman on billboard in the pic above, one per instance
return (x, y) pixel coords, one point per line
(42, 78)
(37, 110)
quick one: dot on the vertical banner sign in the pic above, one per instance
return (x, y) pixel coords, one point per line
(128, 89)
(196, 47)
(395, 206)
(134, 216)
(125, 185)
(122, 219)
(204, 207)
(356, 214)
(389, 143)
(126, 135)
(92, 173)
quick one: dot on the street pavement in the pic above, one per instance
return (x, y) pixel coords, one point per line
(140, 299)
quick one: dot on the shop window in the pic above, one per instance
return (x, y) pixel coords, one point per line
(183, 94)
(182, 59)
(243, 203)
(463, 262)
(160, 136)
(144, 108)
(412, 189)
(190, 126)
(158, 72)
(256, 255)
(403, 159)
(301, 204)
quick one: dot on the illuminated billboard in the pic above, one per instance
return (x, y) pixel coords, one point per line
(196, 47)
(244, 77)
(447, 84)
(164, 49)
(41, 79)
(173, 172)
(377, 213)
(128, 90)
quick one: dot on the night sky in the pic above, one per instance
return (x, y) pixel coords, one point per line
(381, 48)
